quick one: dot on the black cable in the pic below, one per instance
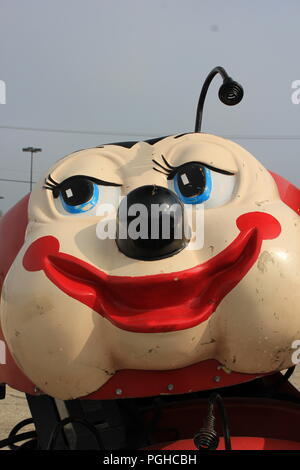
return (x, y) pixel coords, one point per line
(222, 410)
(16, 429)
(70, 420)
(20, 437)
(13, 437)
(207, 438)
(284, 378)
(230, 93)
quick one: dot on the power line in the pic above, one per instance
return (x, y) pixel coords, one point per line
(263, 137)
(146, 134)
(70, 131)
(15, 181)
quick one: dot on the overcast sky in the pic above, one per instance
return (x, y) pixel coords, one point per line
(80, 73)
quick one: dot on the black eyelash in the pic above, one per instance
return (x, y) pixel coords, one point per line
(52, 185)
(168, 170)
(162, 172)
(53, 181)
(168, 164)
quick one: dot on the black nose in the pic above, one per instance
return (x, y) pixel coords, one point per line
(151, 224)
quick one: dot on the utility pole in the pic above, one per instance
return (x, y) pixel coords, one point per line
(32, 150)
(1, 197)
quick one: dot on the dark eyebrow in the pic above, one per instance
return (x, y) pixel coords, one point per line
(170, 170)
(131, 143)
(210, 167)
(91, 178)
(218, 170)
(181, 135)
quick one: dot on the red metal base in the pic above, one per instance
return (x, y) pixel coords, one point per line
(237, 443)
(272, 424)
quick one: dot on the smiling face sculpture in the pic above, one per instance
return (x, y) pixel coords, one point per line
(76, 307)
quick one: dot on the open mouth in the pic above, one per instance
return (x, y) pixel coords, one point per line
(161, 302)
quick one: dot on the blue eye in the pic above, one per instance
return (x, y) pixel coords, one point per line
(193, 183)
(79, 195)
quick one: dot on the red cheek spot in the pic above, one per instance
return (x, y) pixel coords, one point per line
(267, 226)
(37, 252)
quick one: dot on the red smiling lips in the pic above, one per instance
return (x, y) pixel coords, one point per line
(162, 302)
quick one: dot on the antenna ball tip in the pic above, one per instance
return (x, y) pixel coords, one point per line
(231, 92)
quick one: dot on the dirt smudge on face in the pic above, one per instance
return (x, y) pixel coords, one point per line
(264, 260)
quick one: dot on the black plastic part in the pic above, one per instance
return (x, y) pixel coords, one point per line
(2, 391)
(131, 143)
(71, 420)
(231, 92)
(45, 417)
(160, 224)
(119, 423)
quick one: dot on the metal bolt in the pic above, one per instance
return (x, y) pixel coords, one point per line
(119, 391)
(170, 387)
(217, 378)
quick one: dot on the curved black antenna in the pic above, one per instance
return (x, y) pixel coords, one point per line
(230, 93)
